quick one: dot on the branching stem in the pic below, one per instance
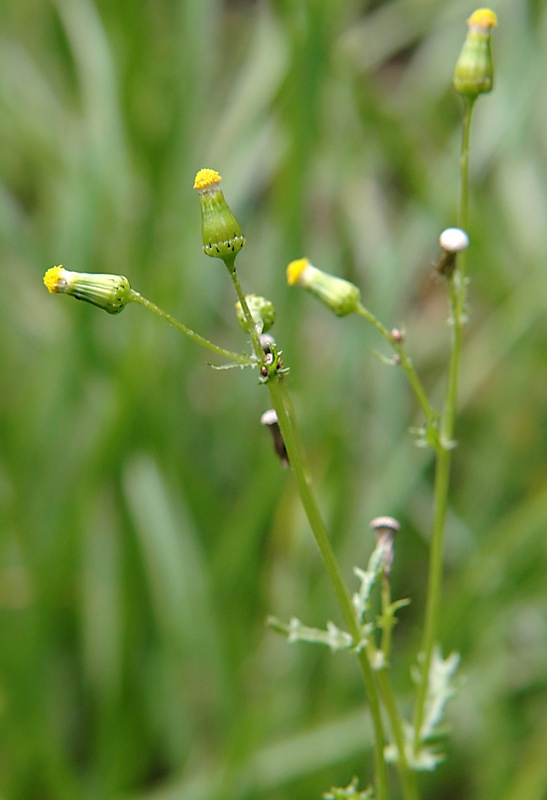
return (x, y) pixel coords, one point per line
(404, 360)
(285, 414)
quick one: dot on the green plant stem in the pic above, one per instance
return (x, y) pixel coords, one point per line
(255, 338)
(388, 620)
(287, 424)
(239, 358)
(463, 206)
(404, 361)
(457, 292)
(409, 784)
(282, 404)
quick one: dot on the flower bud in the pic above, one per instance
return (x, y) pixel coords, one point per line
(111, 292)
(474, 73)
(262, 312)
(339, 295)
(221, 234)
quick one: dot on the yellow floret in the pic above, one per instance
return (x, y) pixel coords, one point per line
(206, 178)
(53, 279)
(295, 270)
(482, 18)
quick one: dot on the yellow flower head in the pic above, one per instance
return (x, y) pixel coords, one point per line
(483, 18)
(55, 279)
(221, 234)
(474, 72)
(339, 295)
(109, 292)
(295, 270)
(206, 179)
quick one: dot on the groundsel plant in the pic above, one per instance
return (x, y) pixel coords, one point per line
(411, 745)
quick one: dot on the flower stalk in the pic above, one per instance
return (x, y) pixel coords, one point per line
(396, 340)
(473, 76)
(297, 459)
(344, 298)
(239, 358)
(113, 293)
(245, 311)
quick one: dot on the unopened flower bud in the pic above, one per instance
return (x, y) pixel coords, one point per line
(221, 234)
(453, 241)
(339, 295)
(111, 292)
(262, 312)
(474, 72)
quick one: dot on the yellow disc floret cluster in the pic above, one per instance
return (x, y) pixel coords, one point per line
(55, 279)
(295, 270)
(206, 179)
(483, 18)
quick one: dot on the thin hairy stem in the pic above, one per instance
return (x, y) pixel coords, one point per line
(409, 784)
(239, 358)
(457, 291)
(255, 338)
(404, 360)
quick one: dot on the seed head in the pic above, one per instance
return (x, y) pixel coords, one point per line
(453, 241)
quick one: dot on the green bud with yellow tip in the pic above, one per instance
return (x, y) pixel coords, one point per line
(339, 295)
(262, 311)
(221, 234)
(474, 72)
(109, 292)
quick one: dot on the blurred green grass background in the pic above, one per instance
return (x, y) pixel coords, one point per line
(146, 527)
